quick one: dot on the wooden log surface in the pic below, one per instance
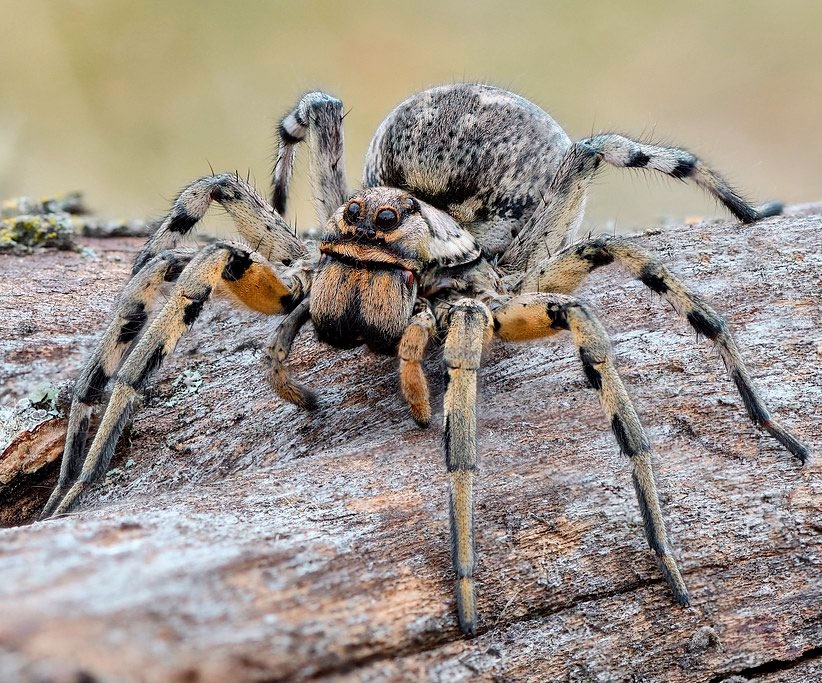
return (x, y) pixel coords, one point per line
(240, 539)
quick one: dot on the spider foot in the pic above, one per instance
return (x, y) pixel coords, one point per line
(421, 412)
(467, 606)
(788, 440)
(667, 565)
(54, 500)
(66, 503)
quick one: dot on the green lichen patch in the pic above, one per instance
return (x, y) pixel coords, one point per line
(53, 223)
(20, 234)
(185, 385)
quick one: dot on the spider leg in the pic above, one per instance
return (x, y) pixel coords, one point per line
(622, 151)
(414, 385)
(469, 331)
(531, 316)
(257, 223)
(131, 311)
(277, 353)
(318, 116)
(221, 268)
(566, 271)
(560, 212)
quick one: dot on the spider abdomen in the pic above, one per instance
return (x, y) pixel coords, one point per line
(482, 154)
(361, 304)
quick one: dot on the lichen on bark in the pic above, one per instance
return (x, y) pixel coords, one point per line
(55, 223)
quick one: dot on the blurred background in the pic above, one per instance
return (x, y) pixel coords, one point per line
(128, 101)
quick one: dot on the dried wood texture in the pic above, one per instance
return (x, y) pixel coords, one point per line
(250, 541)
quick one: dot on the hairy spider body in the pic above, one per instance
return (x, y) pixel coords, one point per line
(483, 155)
(462, 232)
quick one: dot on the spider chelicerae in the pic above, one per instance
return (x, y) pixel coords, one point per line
(462, 232)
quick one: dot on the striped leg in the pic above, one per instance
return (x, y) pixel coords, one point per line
(619, 150)
(277, 353)
(413, 383)
(131, 311)
(318, 116)
(259, 226)
(469, 331)
(560, 212)
(222, 268)
(531, 316)
(566, 271)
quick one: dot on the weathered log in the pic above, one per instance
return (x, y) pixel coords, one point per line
(250, 541)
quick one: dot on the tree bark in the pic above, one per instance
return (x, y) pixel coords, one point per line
(241, 539)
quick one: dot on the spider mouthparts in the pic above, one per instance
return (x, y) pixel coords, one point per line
(407, 277)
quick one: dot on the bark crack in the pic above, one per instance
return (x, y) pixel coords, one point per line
(423, 646)
(429, 645)
(772, 666)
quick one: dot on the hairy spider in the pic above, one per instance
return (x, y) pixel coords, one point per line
(461, 233)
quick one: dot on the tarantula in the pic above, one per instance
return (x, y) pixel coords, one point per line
(462, 232)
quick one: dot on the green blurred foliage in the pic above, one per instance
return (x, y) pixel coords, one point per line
(129, 100)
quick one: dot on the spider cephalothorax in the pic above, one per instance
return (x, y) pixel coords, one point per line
(379, 249)
(463, 231)
(373, 244)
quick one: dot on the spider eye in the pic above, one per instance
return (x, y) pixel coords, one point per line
(386, 218)
(410, 205)
(352, 212)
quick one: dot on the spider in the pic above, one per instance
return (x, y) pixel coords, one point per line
(462, 232)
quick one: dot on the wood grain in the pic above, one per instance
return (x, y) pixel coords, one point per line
(250, 541)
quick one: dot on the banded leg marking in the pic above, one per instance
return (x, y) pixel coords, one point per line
(256, 222)
(566, 271)
(131, 311)
(413, 383)
(531, 316)
(560, 212)
(214, 269)
(256, 283)
(469, 332)
(680, 164)
(319, 117)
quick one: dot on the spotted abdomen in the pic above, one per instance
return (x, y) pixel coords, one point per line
(482, 154)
